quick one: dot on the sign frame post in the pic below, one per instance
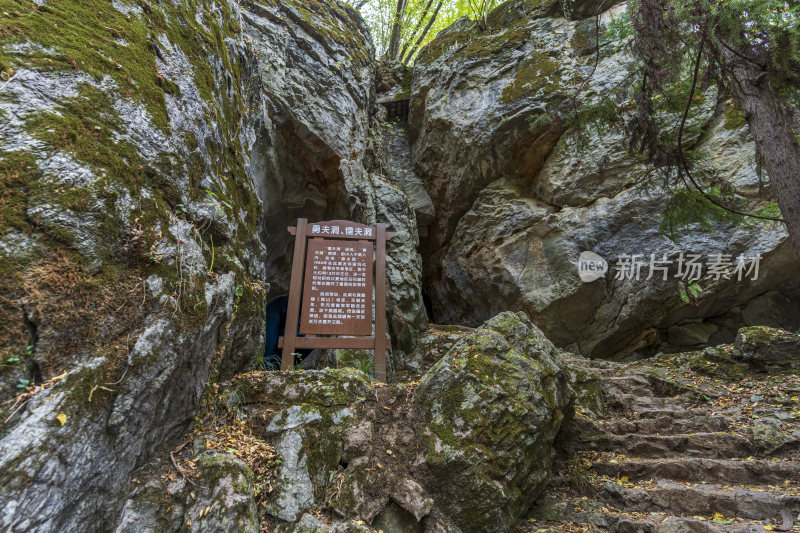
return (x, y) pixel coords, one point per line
(362, 233)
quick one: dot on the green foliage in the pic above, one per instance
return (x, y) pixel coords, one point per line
(258, 360)
(771, 28)
(379, 16)
(364, 365)
(680, 44)
(689, 208)
(619, 29)
(271, 363)
(734, 118)
(690, 291)
(598, 113)
(537, 122)
(15, 359)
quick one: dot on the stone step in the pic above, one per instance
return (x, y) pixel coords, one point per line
(669, 424)
(629, 383)
(696, 469)
(555, 515)
(708, 445)
(624, 524)
(680, 524)
(673, 411)
(703, 500)
(637, 403)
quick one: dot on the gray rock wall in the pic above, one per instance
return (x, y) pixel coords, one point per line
(132, 269)
(519, 196)
(316, 68)
(153, 156)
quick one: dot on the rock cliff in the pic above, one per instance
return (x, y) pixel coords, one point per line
(520, 193)
(132, 269)
(152, 154)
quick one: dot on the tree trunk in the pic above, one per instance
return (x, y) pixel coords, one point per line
(397, 30)
(413, 34)
(769, 119)
(413, 51)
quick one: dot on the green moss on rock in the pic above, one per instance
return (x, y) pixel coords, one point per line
(733, 118)
(91, 36)
(19, 180)
(718, 363)
(471, 43)
(539, 72)
(494, 401)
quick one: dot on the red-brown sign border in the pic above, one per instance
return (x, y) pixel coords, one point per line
(290, 341)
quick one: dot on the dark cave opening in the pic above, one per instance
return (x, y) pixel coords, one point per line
(276, 313)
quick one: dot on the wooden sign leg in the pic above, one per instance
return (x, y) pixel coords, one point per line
(380, 305)
(295, 286)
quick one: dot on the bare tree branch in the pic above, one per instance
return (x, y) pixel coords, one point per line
(413, 34)
(421, 38)
(397, 30)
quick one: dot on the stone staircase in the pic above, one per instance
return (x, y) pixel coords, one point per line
(692, 442)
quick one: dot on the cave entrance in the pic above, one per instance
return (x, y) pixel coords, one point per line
(277, 310)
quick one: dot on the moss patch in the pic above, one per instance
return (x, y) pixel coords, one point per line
(471, 43)
(88, 35)
(718, 363)
(733, 118)
(19, 177)
(537, 73)
(94, 37)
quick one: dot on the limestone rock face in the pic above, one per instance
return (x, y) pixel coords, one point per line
(518, 198)
(468, 449)
(373, 198)
(472, 97)
(152, 155)
(316, 70)
(126, 147)
(492, 405)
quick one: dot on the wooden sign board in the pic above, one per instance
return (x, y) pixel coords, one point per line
(332, 276)
(337, 292)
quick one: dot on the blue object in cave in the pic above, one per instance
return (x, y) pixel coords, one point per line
(276, 324)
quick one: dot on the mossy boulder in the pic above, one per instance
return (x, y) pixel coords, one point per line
(718, 362)
(230, 504)
(490, 411)
(768, 436)
(433, 344)
(470, 446)
(220, 497)
(330, 387)
(305, 415)
(766, 348)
